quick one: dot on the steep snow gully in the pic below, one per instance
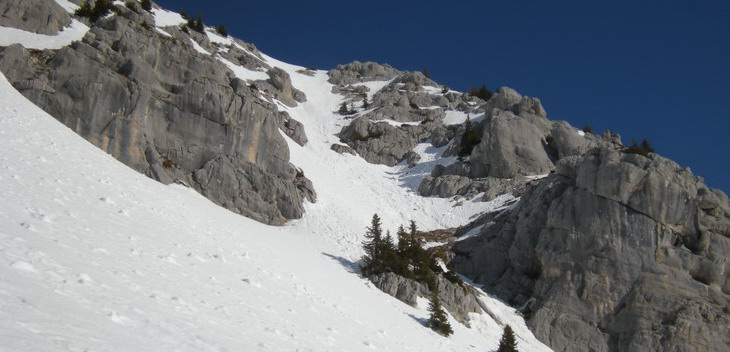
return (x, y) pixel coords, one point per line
(96, 257)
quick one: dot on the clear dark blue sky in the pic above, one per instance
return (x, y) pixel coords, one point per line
(646, 69)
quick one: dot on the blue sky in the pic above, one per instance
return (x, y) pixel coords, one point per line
(646, 69)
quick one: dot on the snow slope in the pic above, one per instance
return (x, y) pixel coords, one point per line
(96, 257)
(75, 31)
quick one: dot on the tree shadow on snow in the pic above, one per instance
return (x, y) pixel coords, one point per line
(422, 321)
(352, 267)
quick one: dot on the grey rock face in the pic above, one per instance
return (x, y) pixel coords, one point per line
(38, 16)
(257, 194)
(512, 145)
(355, 72)
(459, 300)
(614, 252)
(412, 158)
(282, 83)
(164, 109)
(383, 143)
(452, 185)
(341, 149)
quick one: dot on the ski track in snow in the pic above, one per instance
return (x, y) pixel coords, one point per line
(95, 256)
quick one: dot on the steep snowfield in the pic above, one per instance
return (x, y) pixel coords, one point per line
(96, 257)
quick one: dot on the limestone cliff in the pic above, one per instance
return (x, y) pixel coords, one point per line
(157, 104)
(613, 252)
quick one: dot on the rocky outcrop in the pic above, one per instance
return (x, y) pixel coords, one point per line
(238, 184)
(516, 140)
(408, 110)
(513, 141)
(453, 185)
(383, 143)
(341, 149)
(613, 252)
(280, 82)
(173, 113)
(458, 299)
(38, 16)
(356, 72)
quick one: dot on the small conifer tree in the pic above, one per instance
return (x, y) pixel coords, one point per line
(146, 5)
(222, 30)
(426, 73)
(437, 320)
(343, 109)
(508, 342)
(373, 246)
(84, 10)
(646, 146)
(469, 139)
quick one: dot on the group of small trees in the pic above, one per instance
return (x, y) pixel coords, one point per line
(407, 259)
(482, 92)
(644, 149)
(198, 25)
(100, 9)
(345, 110)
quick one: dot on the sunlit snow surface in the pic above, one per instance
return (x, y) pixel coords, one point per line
(75, 31)
(164, 18)
(94, 256)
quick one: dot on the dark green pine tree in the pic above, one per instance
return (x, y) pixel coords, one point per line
(100, 9)
(507, 343)
(646, 146)
(469, 139)
(84, 10)
(438, 320)
(199, 26)
(373, 246)
(403, 241)
(146, 5)
(426, 73)
(222, 30)
(484, 92)
(343, 109)
(196, 24)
